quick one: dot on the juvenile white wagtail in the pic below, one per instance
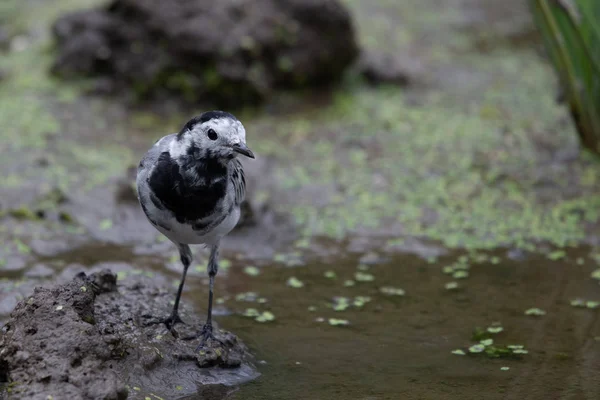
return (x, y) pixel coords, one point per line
(190, 186)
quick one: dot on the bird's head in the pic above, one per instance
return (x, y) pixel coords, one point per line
(213, 134)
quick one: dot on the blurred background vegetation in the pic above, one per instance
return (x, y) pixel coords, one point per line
(572, 37)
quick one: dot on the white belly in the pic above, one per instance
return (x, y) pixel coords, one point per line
(182, 233)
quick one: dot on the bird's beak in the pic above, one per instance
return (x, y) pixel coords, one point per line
(243, 149)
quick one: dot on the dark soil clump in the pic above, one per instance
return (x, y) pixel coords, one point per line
(226, 52)
(87, 340)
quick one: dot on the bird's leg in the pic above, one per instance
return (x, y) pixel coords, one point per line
(213, 268)
(207, 329)
(186, 259)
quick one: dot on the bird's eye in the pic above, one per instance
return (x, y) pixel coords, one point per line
(212, 135)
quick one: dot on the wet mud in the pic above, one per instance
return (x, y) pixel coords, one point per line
(91, 338)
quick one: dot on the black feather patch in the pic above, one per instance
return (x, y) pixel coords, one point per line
(189, 196)
(205, 117)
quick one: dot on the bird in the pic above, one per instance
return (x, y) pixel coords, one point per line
(190, 186)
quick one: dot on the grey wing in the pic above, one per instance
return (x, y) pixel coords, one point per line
(151, 157)
(147, 164)
(238, 181)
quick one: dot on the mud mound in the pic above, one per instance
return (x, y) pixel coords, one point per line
(88, 340)
(227, 52)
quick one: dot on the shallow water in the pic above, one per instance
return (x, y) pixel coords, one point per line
(400, 346)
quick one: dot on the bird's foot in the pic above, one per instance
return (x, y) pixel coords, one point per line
(206, 337)
(169, 322)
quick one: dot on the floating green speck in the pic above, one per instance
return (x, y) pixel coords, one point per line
(58, 308)
(495, 329)
(295, 282)
(592, 304)
(312, 308)
(451, 285)
(392, 291)
(338, 322)
(330, 274)
(360, 301)
(460, 274)
(520, 351)
(364, 277)
(476, 348)
(224, 264)
(487, 342)
(349, 283)
(577, 303)
(504, 368)
(557, 255)
(515, 346)
(265, 316)
(362, 267)
(251, 312)
(246, 296)
(83, 289)
(596, 274)
(459, 352)
(448, 269)
(340, 303)
(535, 311)
(251, 270)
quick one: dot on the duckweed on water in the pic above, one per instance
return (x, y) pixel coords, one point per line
(459, 352)
(392, 291)
(451, 286)
(360, 301)
(295, 282)
(504, 368)
(495, 329)
(349, 283)
(557, 255)
(330, 274)
(581, 303)
(535, 312)
(340, 303)
(251, 312)
(265, 316)
(476, 348)
(251, 270)
(246, 296)
(460, 275)
(338, 322)
(363, 277)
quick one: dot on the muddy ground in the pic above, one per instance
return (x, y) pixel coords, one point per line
(393, 221)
